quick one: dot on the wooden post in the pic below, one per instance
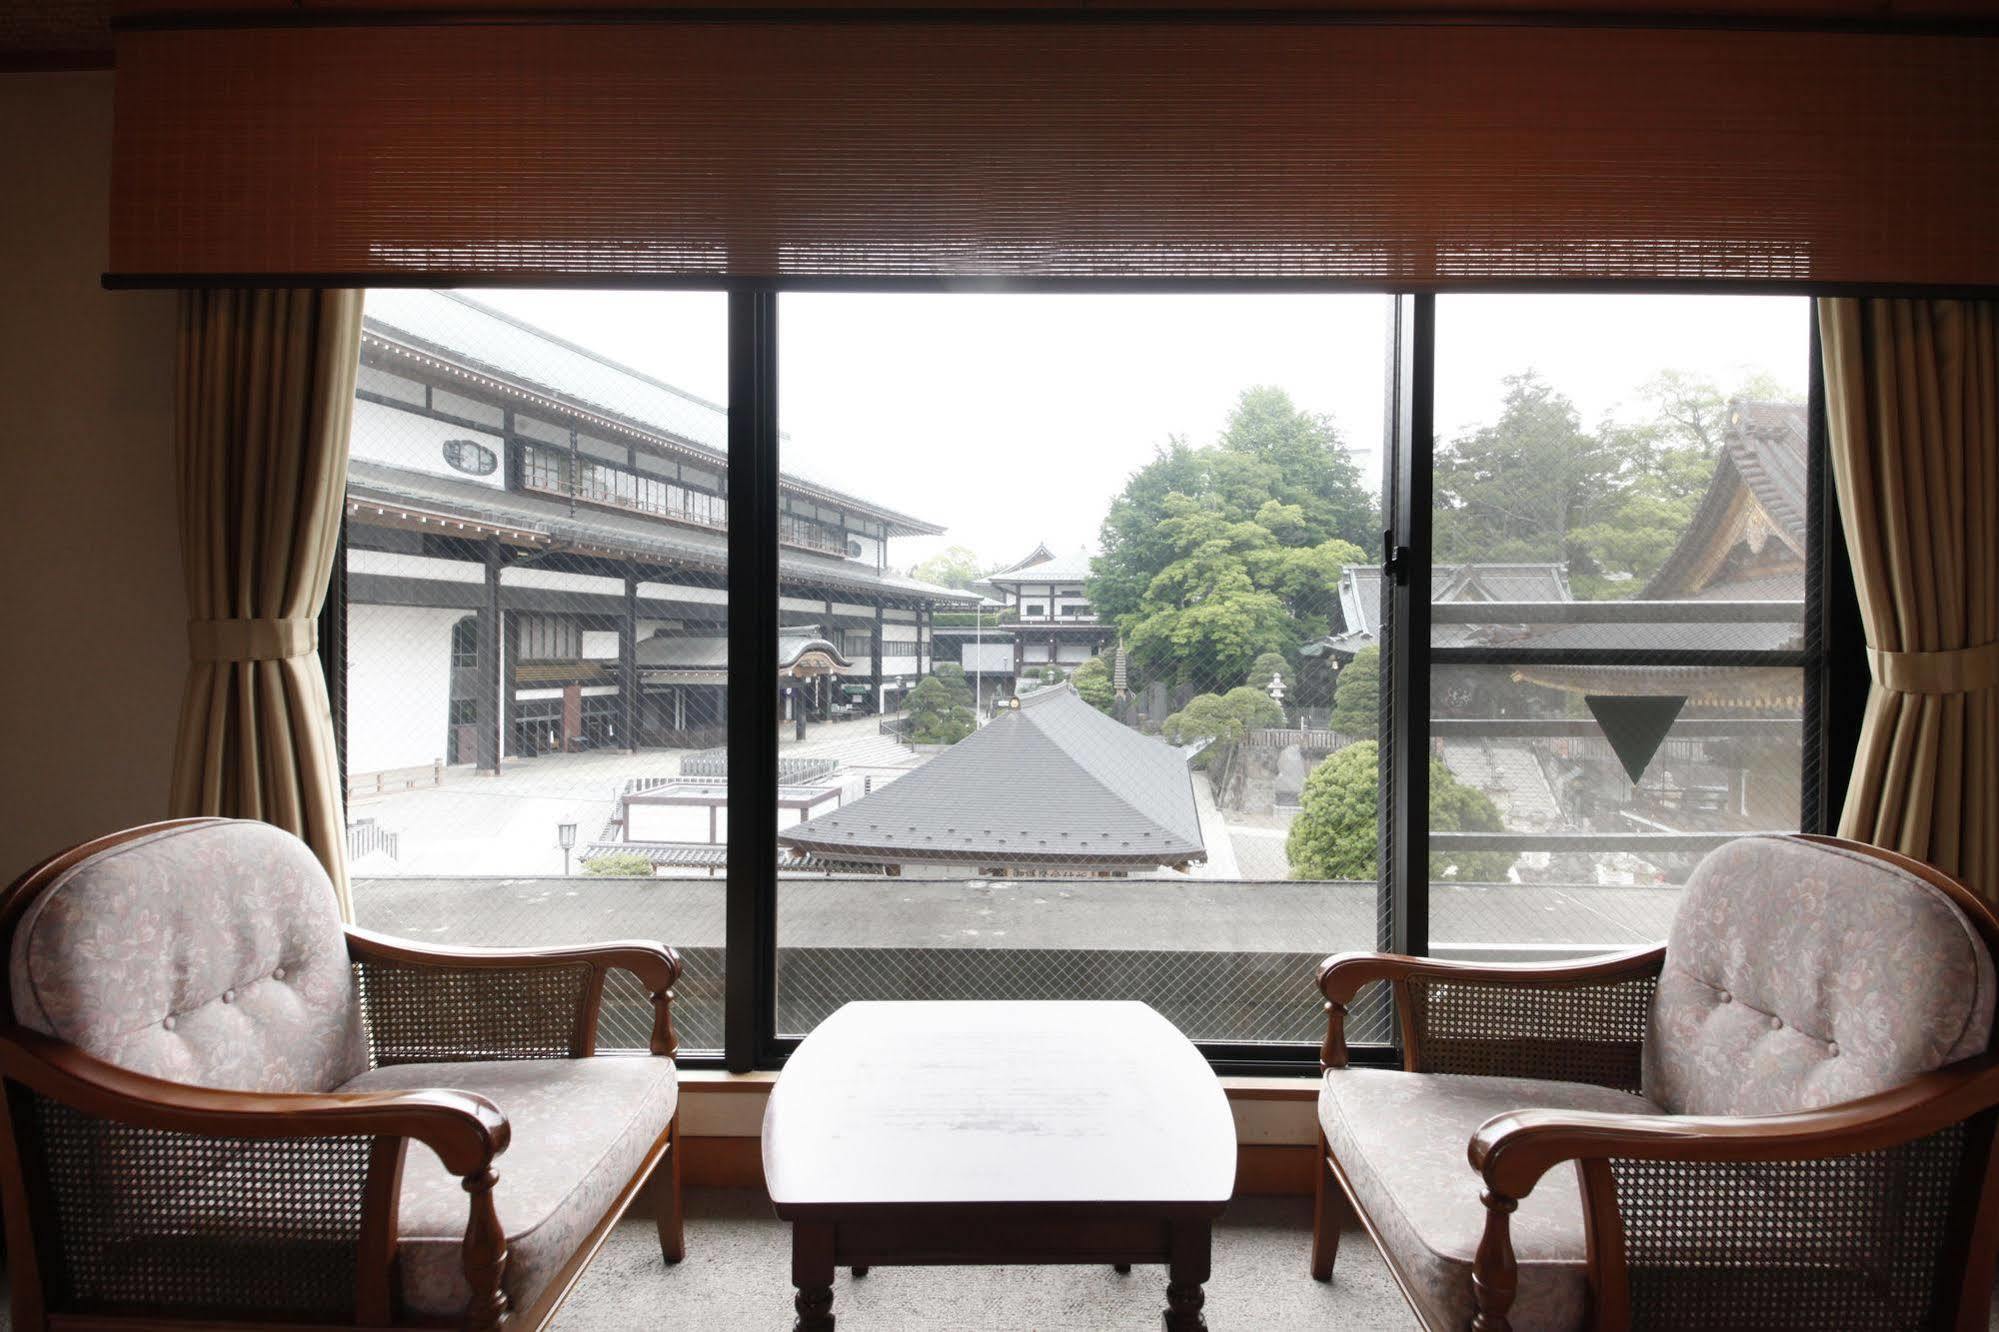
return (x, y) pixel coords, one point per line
(628, 668)
(486, 714)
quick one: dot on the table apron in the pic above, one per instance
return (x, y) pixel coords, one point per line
(931, 1238)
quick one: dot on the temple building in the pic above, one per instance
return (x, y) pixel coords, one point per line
(1053, 787)
(537, 538)
(1034, 615)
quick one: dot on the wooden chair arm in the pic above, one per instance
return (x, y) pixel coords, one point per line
(1512, 1151)
(1343, 975)
(465, 1130)
(657, 967)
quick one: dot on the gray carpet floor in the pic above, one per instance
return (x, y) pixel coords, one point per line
(737, 1275)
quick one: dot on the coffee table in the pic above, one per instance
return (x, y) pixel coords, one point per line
(925, 1134)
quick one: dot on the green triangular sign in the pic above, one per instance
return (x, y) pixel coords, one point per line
(1635, 725)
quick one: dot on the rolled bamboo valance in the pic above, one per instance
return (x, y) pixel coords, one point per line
(1403, 154)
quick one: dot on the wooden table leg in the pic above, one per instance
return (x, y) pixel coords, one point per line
(812, 1273)
(1186, 1271)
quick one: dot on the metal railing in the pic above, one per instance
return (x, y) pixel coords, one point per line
(367, 837)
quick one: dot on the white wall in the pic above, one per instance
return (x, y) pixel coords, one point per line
(93, 608)
(405, 439)
(398, 686)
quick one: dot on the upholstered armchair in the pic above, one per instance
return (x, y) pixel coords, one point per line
(223, 1107)
(1782, 1118)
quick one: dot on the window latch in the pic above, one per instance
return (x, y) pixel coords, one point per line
(1394, 559)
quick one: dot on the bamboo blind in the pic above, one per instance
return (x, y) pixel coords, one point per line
(1406, 154)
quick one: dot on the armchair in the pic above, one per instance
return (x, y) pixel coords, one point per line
(213, 1089)
(1784, 1117)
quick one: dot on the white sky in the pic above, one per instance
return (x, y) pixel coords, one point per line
(1013, 419)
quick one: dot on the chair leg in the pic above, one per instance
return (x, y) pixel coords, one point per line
(1330, 1214)
(664, 1186)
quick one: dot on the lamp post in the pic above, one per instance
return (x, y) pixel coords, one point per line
(565, 837)
(1276, 688)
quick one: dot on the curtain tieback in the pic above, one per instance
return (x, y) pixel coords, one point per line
(251, 640)
(1956, 671)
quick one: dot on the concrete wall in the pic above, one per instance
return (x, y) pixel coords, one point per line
(93, 643)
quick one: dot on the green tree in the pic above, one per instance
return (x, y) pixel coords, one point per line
(1357, 696)
(1214, 555)
(1222, 717)
(1335, 835)
(954, 566)
(1267, 665)
(1093, 680)
(940, 707)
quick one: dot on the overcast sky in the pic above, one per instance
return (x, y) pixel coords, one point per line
(1013, 419)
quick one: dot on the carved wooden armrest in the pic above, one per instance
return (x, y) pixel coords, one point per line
(1513, 1151)
(429, 1002)
(466, 1131)
(1414, 979)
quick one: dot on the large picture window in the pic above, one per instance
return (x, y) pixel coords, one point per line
(1119, 645)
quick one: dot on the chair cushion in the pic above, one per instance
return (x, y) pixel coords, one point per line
(1799, 975)
(581, 1127)
(209, 954)
(1401, 1140)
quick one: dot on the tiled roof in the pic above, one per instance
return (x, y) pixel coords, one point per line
(506, 348)
(1763, 451)
(1056, 569)
(632, 536)
(1055, 783)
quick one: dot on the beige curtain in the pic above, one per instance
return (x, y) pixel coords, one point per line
(265, 395)
(1912, 402)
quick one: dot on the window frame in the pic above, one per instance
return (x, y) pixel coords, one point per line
(1833, 659)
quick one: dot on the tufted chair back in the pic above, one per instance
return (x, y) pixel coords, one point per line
(207, 952)
(1801, 972)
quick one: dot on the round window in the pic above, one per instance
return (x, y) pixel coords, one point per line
(471, 457)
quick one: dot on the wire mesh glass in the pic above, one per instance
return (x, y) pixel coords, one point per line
(1624, 532)
(1101, 734)
(536, 620)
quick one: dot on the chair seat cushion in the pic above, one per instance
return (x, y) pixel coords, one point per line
(1400, 1140)
(581, 1129)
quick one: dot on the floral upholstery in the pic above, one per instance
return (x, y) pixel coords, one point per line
(1400, 1139)
(1799, 975)
(209, 954)
(581, 1129)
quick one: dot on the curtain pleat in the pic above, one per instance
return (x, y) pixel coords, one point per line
(265, 396)
(1912, 406)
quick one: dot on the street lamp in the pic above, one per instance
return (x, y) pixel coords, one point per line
(565, 837)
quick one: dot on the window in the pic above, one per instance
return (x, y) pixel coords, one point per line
(1183, 772)
(550, 638)
(529, 644)
(1619, 647)
(465, 645)
(1041, 820)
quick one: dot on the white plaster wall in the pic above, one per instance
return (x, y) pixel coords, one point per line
(398, 686)
(405, 439)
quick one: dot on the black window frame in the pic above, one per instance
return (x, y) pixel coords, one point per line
(1834, 662)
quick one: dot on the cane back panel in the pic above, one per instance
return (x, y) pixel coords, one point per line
(1592, 1033)
(440, 1014)
(180, 1222)
(1851, 1242)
